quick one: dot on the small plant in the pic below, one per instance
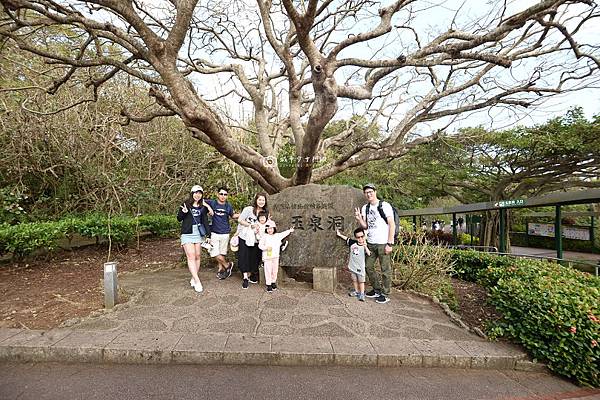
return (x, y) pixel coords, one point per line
(419, 265)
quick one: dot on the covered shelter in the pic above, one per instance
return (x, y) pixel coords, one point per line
(557, 200)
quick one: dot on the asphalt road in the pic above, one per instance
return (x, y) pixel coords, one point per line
(92, 381)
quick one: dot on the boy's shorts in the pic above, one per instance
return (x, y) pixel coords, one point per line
(357, 278)
(220, 242)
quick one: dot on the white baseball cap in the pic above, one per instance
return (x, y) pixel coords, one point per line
(197, 188)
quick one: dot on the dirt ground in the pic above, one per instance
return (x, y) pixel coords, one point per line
(42, 292)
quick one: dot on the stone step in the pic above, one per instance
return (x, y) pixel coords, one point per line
(71, 345)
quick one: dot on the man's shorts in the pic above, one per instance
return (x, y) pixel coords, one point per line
(220, 242)
(357, 278)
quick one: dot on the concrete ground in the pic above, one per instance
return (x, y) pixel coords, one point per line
(165, 321)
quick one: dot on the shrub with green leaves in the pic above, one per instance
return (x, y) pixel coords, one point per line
(25, 238)
(552, 310)
(159, 225)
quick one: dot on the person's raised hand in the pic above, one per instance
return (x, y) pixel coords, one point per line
(357, 213)
(184, 208)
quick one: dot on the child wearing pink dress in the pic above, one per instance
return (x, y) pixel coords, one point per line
(270, 244)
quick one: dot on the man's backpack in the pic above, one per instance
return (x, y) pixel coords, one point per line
(382, 214)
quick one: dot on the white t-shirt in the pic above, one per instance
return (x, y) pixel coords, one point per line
(377, 227)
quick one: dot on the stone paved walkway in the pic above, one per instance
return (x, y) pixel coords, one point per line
(167, 321)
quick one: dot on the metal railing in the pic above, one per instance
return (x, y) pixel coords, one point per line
(491, 249)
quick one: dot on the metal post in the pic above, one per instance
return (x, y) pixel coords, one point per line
(415, 223)
(558, 232)
(111, 286)
(471, 228)
(454, 241)
(527, 231)
(502, 230)
(592, 236)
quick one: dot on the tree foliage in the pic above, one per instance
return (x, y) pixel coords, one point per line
(293, 66)
(82, 159)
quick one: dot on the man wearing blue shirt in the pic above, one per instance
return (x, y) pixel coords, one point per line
(220, 230)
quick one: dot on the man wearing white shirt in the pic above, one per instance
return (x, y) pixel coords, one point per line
(380, 241)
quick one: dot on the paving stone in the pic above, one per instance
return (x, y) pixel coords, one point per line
(308, 319)
(31, 345)
(281, 303)
(381, 332)
(327, 329)
(138, 325)
(398, 323)
(353, 352)
(270, 315)
(141, 347)
(339, 312)
(185, 301)
(205, 302)
(134, 312)
(230, 299)
(491, 355)
(442, 353)
(5, 333)
(302, 351)
(416, 333)
(81, 346)
(186, 324)
(396, 352)
(275, 330)
(357, 326)
(240, 325)
(451, 333)
(220, 313)
(97, 324)
(200, 349)
(248, 350)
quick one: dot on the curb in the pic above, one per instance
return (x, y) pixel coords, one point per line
(76, 346)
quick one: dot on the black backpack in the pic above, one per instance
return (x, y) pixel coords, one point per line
(382, 214)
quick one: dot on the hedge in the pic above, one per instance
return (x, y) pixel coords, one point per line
(553, 311)
(24, 239)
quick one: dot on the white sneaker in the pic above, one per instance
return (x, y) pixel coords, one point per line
(192, 282)
(198, 288)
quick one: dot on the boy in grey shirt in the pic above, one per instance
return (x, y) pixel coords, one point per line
(356, 261)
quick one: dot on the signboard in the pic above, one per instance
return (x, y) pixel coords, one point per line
(568, 232)
(509, 203)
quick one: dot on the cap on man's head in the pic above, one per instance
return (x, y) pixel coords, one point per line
(197, 188)
(369, 186)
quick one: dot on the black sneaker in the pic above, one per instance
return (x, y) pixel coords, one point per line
(269, 288)
(228, 271)
(245, 284)
(381, 299)
(221, 275)
(253, 278)
(372, 293)
(274, 286)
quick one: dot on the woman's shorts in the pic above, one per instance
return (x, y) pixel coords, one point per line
(357, 278)
(193, 237)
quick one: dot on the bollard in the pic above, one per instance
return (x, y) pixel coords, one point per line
(111, 287)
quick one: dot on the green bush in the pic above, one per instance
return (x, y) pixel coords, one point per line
(550, 309)
(159, 225)
(24, 239)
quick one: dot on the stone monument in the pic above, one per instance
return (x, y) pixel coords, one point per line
(315, 211)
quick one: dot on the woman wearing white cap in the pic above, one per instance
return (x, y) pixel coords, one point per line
(193, 215)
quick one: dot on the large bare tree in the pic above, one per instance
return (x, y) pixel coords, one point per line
(294, 65)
